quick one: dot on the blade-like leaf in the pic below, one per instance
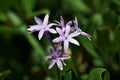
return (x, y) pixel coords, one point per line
(68, 76)
(96, 74)
(89, 47)
(4, 74)
(77, 5)
(28, 5)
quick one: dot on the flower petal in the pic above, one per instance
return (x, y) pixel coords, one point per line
(59, 64)
(52, 64)
(73, 41)
(69, 23)
(58, 23)
(38, 20)
(40, 34)
(48, 57)
(63, 62)
(72, 29)
(50, 25)
(58, 39)
(62, 21)
(52, 31)
(45, 21)
(74, 34)
(75, 23)
(34, 28)
(60, 32)
(65, 57)
(66, 44)
(67, 31)
(85, 34)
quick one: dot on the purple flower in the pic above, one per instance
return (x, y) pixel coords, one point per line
(79, 30)
(62, 24)
(57, 58)
(66, 37)
(42, 27)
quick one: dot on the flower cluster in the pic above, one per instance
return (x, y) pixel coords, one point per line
(66, 36)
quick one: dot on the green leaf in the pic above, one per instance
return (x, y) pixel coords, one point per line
(107, 75)
(77, 5)
(14, 18)
(2, 16)
(28, 5)
(43, 11)
(4, 74)
(6, 4)
(97, 19)
(117, 2)
(68, 76)
(89, 46)
(116, 41)
(7, 31)
(104, 38)
(96, 74)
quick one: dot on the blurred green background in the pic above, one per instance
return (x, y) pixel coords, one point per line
(21, 53)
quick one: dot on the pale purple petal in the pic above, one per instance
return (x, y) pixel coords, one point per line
(48, 57)
(73, 41)
(76, 20)
(59, 64)
(76, 23)
(74, 34)
(66, 44)
(40, 34)
(78, 30)
(34, 28)
(60, 32)
(65, 57)
(69, 23)
(58, 39)
(67, 31)
(72, 28)
(50, 25)
(88, 36)
(45, 21)
(62, 21)
(52, 64)
(63, 62)
(85, 34)
(57, 22)
(38, 20)
(52, 31)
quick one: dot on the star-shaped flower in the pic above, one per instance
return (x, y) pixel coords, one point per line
(57, 57)
(66, 37)
(42, 27)
(79, 30)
